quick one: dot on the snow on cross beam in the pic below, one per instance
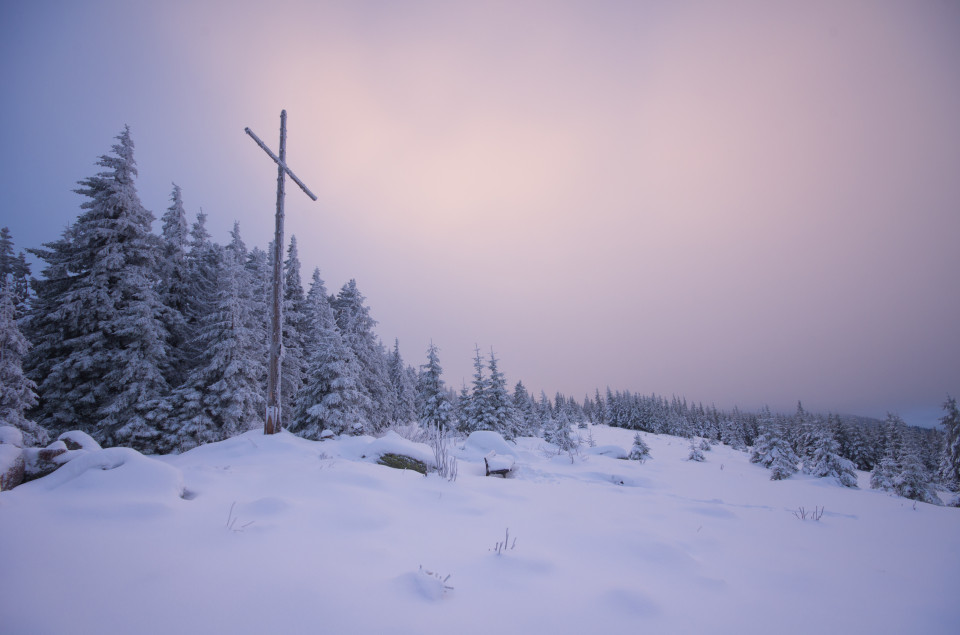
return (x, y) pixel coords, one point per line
(280, 163)
(272, 421)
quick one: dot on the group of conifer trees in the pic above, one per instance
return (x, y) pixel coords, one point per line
(159, 342)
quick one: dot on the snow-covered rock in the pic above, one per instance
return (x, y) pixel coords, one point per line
(11, 466)
(118, 473)
(393, 443)
(79, 440)
(11, 436)
(43, 461)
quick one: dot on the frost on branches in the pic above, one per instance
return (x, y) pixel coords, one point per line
(773, 452)
(98, 323)
(900, 470)
(17, 392)
(332, 397)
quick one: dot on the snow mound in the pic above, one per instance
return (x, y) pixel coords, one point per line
(480, 443)
(11, 436)
(115, 472)
(613, 451)
(393, 443)
(78, 440)
(428, 585)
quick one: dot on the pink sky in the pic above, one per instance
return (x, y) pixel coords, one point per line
(739, 202)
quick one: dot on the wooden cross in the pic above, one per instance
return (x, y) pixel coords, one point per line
(272, 423)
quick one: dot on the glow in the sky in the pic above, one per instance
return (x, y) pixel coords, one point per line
(745, 203)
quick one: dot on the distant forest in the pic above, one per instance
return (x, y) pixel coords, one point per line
(159, 343)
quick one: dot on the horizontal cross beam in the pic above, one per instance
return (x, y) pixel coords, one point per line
(277, 160)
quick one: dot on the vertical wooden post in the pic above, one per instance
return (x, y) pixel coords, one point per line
(272, 424)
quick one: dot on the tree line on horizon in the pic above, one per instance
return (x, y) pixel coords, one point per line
(159, 342)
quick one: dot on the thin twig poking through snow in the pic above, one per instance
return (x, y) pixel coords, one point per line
(232, 521)
(803, 514)
(446, 464)
(500, 547)
(434, 574)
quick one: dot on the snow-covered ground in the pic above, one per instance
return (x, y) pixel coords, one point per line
(281, 535)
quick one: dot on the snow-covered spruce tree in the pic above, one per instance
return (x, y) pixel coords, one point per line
(498, 408)
(174, 287)
(474, 409)
(885, 473)
(860, 450)
(557, 431)
(6, 254)
(599, 409)
(356, 329)
(525, 409)
(16, 271)
(436, 411)
(258, 266)
(204, 259)
(732, 433)
(99, 323)
(460, 405)
(223, 395)
(696, 453)
(640, 450)
(293, 369)
(331, 398)
(887, 469)
(900, 470)
(773, 451)
(544, 413)
(951, 455)
(913, 481)
(17, 392)
(404, 389)
(826, 461)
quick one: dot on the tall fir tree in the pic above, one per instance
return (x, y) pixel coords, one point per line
(900, 470)
(293, 370)
(525, 409)
(204, 260)
(356, 329)
(951, 425)
(404, 390)
(772, 450)
(16, 272)
(258, 266)
(17, 392)
(6, 254)
(498, 408)
(105, 373)
(223, 394)
(474, 410)
(331, 398)
(436, 411)
(826, 461)
(174, 285)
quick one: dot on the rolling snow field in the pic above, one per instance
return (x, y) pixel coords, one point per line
(278, 535)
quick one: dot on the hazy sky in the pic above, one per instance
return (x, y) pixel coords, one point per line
(745, 203)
